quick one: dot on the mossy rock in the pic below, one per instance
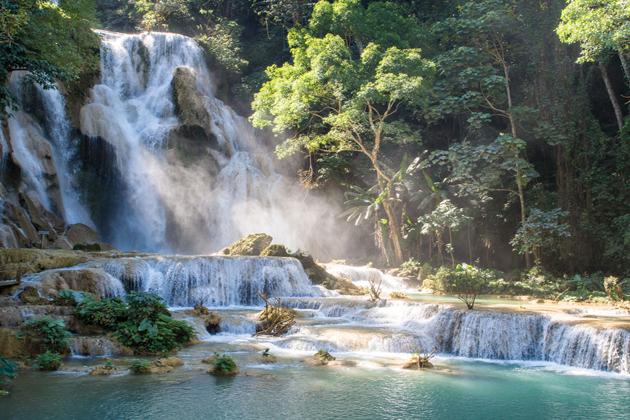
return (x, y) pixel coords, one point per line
(30, 261)
(88, 247)
(275, 251)
(253, 245)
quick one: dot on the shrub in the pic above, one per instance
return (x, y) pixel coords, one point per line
(105, 313)
(160, 336)
(145, 305)
(48, 361)
(71, 298)
(224, 363)
(50, 332)
(8, 371)
(142, 322)
(410, 268)
(140, 366)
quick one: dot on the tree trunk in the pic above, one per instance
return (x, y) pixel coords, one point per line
(624, 63)
(394, 230)
(450, 236)
(521, 197)
(613, 97)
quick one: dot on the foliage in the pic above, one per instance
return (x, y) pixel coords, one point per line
(8, 371)
(410, 268)
(48, 361)
(326, 357)
(140, 366)
(465, 282)
(540, 230)
(51, 333)
(105, 313)
(71, 297)
(223, 46)
(49, 40)
(598, 26)
(224, 363)
(142, 321)
(613, 288)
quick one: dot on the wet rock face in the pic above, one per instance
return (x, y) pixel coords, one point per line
(11, 346)
(253, 245)
(30, 295)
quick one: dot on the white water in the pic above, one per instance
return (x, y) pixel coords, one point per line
(361, 276)
(213, 281)
(170, 206)
(30, 142)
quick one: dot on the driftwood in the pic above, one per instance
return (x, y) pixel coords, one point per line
(277, 320)
(375, 289)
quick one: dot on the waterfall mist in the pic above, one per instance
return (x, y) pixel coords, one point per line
(194, 180)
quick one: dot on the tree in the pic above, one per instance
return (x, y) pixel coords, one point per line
(336, 99)
(445, 216)
(541, 229)
(599, 27)
(50, 41)
(476, 73)
(465, 282)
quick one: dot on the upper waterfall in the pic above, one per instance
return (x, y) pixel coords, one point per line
(194, 175)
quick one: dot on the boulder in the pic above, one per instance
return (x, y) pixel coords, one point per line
(19, 217)
(343, 363)
(275, 251)
(30, 295)
(172, 362)
(219, 372)
(253, 245)
(96, 346)
(211, 320)
(103, 370)
(89, 280)
(320, 358)
(80, 233)
(269, 358)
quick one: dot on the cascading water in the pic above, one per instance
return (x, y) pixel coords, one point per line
(213, 281)
(361, 276)
(44, 151)
(224, 192)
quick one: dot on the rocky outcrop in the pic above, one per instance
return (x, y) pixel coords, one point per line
(96, 346)
(275, 251)
(11, 346)
(30, 261)
(318, 275)
(253, 245)
(320, 358)
(81, 234)
(211, 320)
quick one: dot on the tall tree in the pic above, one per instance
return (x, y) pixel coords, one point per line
(600, 27)
(335, 97)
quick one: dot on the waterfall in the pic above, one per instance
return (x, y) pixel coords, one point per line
(213, 281)
(174, 202)
(44, 150)
(361, 276)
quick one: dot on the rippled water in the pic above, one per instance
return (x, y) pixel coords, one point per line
(457, 389)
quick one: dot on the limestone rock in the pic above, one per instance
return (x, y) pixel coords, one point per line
(30, 295)
(320, 358)
(211, 320)
(209, 360)
(269, 358)
(275, 251)
(80, 233)
(253, 245)
(168, 361)
(343, 363)
(11, 346)
(218, 372)
(103, 370)
(37, 218)
(89, 280)
(37, 260)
